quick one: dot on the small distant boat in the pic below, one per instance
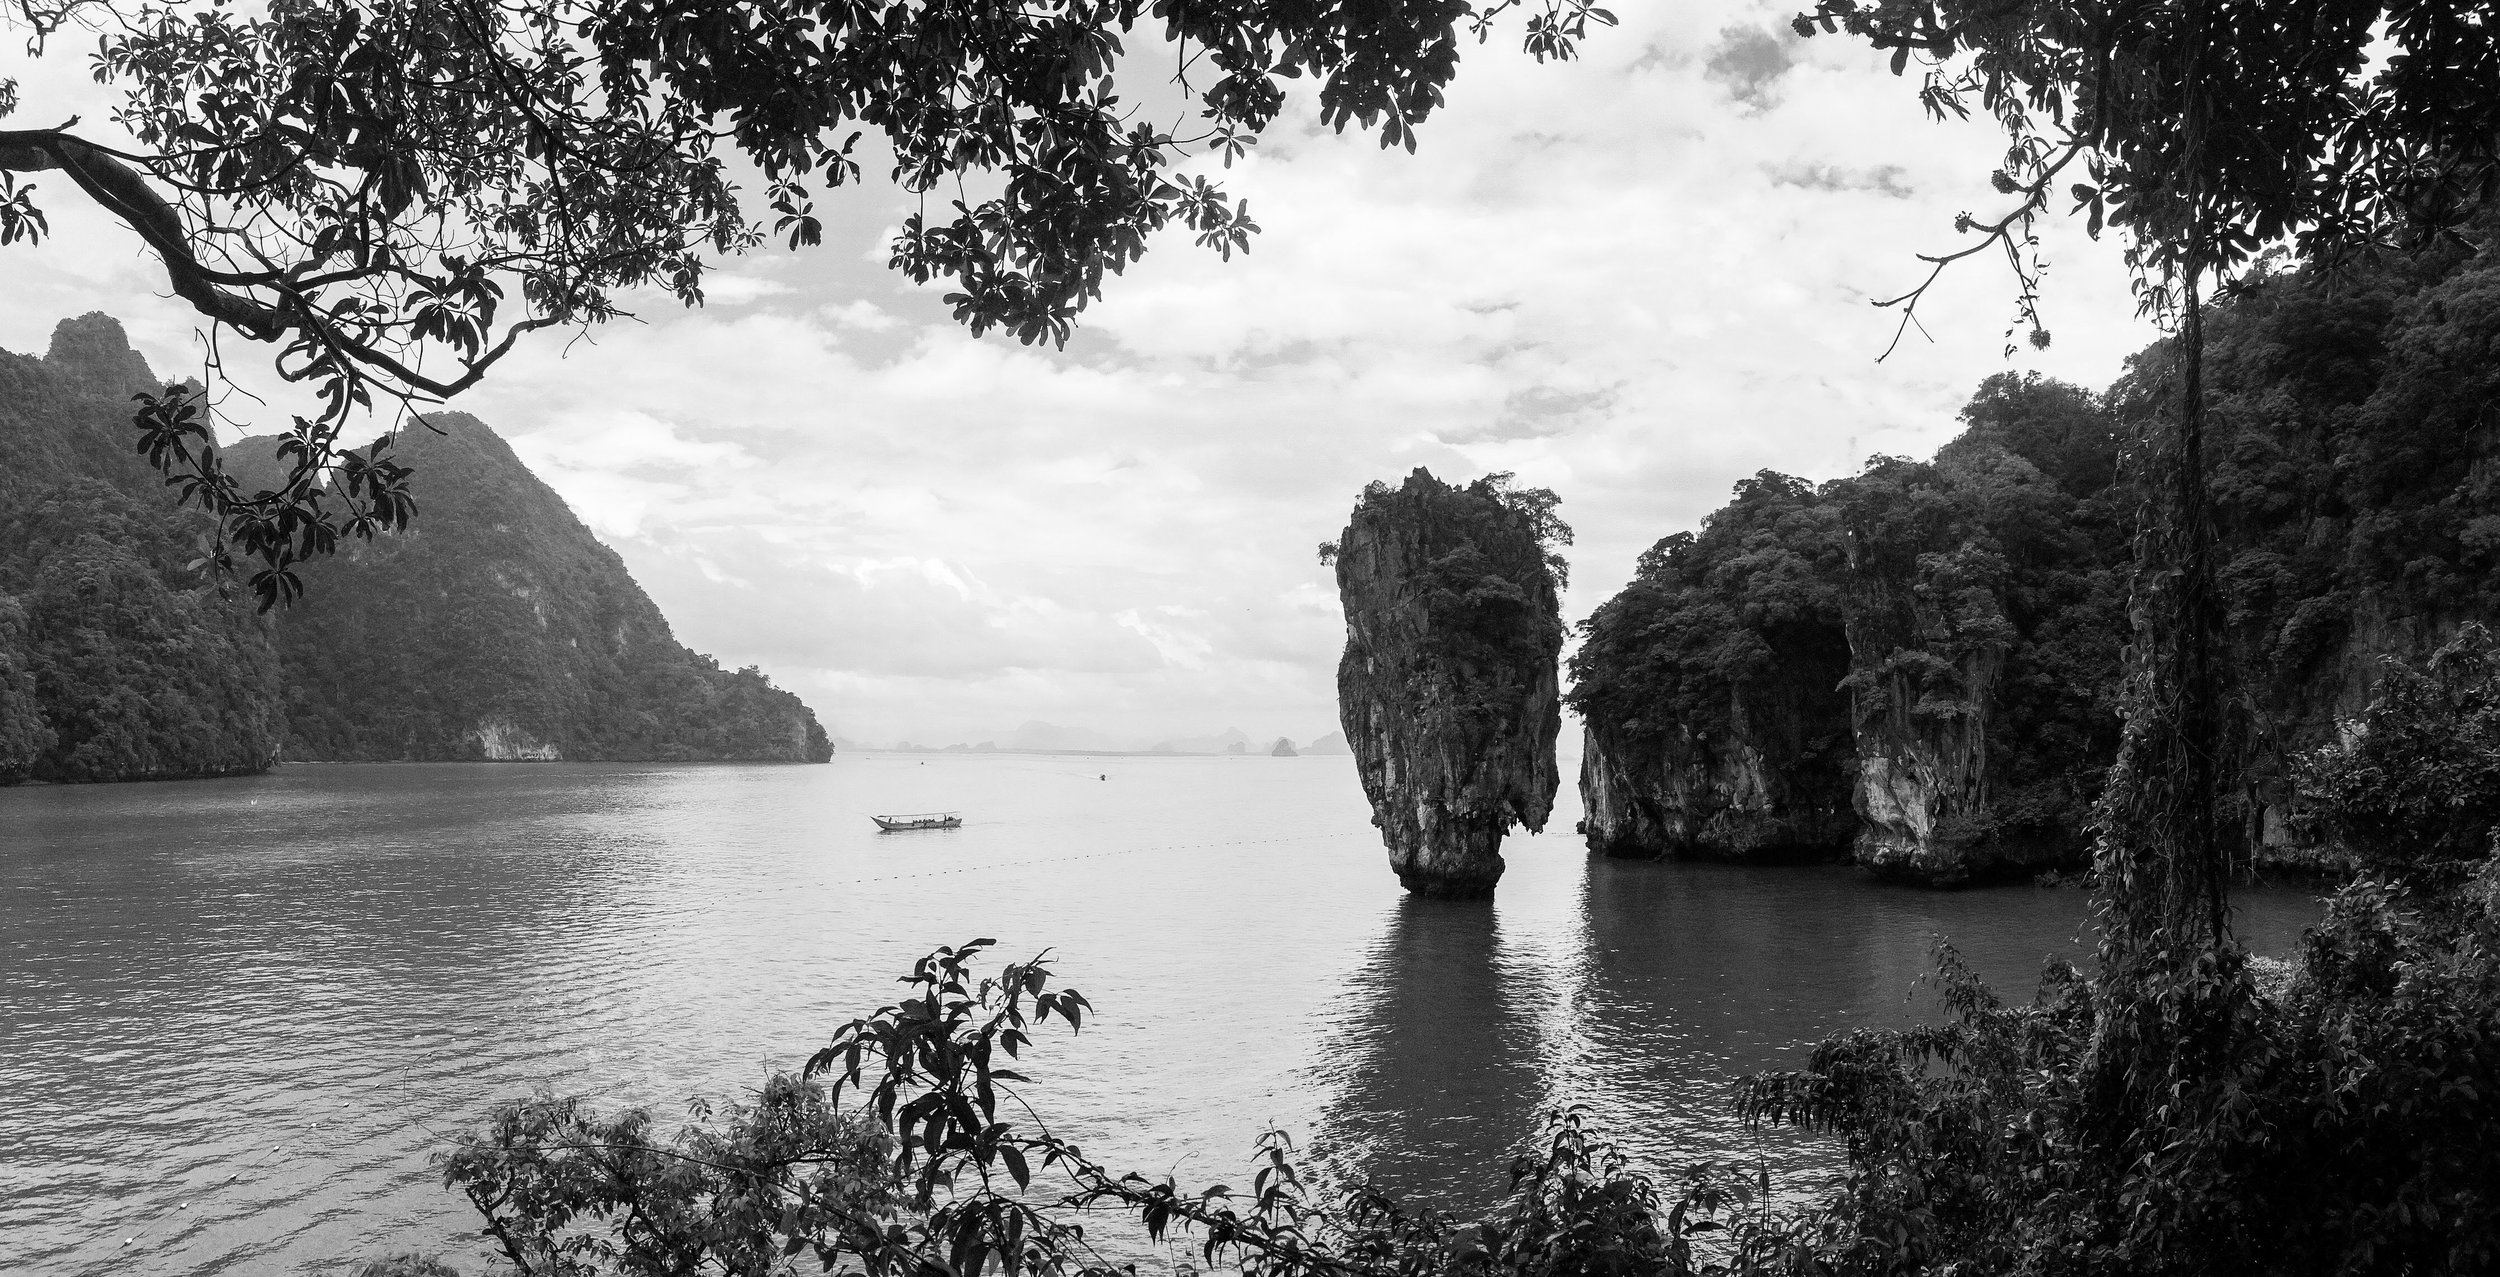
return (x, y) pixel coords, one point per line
(919, 820)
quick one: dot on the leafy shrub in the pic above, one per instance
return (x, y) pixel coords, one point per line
(2345, 1120)
(2416, 781)
(568, 1193)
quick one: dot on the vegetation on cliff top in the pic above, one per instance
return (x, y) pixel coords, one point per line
(1479, 589)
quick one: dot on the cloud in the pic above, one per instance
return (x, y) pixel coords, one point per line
(1535, 412)
(1890, 180)
(722, 289)
(1749, 61)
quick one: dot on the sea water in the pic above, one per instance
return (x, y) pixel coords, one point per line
(238, 1016)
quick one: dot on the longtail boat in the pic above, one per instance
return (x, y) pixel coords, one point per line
(919, 820)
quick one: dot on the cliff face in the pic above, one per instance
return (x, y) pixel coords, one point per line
(1711, 691)
(499, 628)
(1763, 782)
(1922, 688)
(1447, 690)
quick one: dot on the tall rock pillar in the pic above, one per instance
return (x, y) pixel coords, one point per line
(1448, 689)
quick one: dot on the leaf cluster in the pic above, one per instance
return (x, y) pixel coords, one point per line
(565, 1192)
(328, 492)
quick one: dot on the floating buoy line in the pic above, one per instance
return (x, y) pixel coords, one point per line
(1091, 855)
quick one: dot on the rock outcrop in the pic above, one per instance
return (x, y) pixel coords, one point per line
(1447, 691)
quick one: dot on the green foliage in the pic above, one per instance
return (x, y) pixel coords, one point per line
(24, 735)
(327, 492)
(568, 1193)
(2416, 781)
(2357, 516)
(139, 677)
(1576, 1210)
(1479, 571)
(1713, 613)
(1538, 506)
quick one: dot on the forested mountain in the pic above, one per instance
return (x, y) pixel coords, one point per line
(116, 663)
(499, 628)
(1918, 666)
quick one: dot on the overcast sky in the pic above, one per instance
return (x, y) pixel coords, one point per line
(1634, 279)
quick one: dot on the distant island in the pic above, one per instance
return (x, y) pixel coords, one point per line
(497, 628)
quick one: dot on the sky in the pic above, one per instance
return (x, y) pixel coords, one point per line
(1635, 279)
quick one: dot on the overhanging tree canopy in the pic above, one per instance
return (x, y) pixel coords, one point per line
(2208, 130)
(394, 193)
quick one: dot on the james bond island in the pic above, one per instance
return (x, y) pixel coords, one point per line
(1447, 689)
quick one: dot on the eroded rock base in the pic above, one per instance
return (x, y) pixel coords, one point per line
(1460, 864)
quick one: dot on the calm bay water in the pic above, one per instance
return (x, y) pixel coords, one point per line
(236, 1016)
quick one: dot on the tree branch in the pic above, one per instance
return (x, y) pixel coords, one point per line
(124, 191)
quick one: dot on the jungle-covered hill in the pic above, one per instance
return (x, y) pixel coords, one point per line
(498, 628)
(1918, 666)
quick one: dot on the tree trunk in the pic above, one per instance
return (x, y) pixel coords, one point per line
(2162, 862)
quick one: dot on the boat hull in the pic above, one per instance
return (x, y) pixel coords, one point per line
(906, 824)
